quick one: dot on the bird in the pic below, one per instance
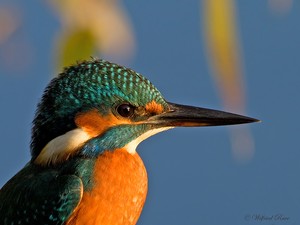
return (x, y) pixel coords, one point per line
(84, 167)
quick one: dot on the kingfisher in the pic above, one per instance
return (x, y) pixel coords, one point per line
(84, 168)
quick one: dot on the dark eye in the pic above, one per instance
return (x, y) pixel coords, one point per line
(125, 110)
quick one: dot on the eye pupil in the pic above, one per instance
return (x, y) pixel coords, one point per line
(125, 110)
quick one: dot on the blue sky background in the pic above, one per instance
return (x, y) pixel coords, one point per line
(193, 178)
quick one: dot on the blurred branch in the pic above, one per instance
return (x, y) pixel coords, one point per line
(9, 22)
(280, 6)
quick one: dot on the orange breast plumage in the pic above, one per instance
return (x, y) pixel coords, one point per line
(118, 194)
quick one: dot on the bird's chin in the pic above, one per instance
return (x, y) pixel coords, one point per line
(131, 146)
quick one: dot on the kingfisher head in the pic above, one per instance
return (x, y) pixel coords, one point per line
(96, 106)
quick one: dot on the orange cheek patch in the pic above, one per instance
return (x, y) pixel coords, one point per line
(153, 107)
(95, 124)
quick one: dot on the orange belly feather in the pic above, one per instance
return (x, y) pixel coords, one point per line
(119, 192)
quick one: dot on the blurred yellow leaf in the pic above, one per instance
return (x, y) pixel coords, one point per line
(225, 58)
(223, 49)
(76, 45)
(104, 24)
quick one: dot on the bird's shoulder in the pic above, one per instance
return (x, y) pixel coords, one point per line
(44, 195)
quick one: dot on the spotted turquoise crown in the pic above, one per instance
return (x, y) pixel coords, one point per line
(95, 84)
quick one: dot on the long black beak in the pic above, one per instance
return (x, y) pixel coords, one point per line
(190, 116)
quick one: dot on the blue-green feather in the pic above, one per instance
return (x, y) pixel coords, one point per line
(38, 195)
(111, 140)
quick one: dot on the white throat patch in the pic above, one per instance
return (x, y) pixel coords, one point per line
(131, 146)
(61, 147)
